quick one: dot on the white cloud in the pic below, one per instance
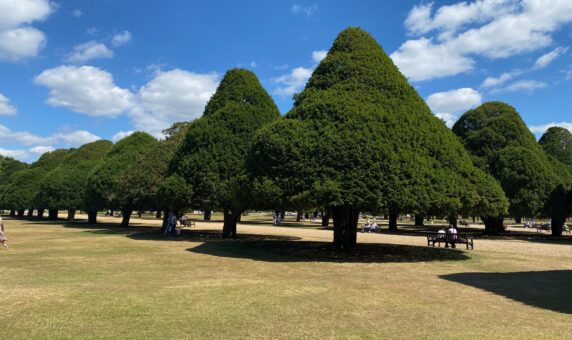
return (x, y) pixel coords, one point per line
(318, 56)
(490, 28)
(549, 57)
(292, 82)
(79, 137)
(92, 31)
(25, 138)
(5, 107)
(71, 138)
(77, 13)
(542, 128)
(422, 59)
(18, 154)
(307, 10)
(21, 43)
(121, 38)
(496, 81)
(18, 40)
(14, 13)
(90, 50)
(172, 96)
(120, 135)
(448, 105)
(253, 64)
(522, 86)
(85, 89)
(41, 149)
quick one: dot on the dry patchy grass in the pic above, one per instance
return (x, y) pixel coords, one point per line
(74, 281)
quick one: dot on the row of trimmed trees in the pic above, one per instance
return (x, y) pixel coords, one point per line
(358, 139)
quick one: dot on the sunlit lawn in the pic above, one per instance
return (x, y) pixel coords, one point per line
(72, 281)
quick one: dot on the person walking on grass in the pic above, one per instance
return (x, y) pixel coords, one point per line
(3, 239)
(172, 224)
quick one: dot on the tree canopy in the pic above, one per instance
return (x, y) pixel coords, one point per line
(557, 142)
(110, 184)
(64, 187)
(212, 156)
(359, 137)
(21, 191)
(501, 144)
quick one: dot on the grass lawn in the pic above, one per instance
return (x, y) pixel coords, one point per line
(73, 281)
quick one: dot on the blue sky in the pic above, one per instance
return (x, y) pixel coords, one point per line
(75, 71)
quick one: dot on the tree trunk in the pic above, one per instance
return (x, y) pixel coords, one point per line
(518, 219)
(474, 219)
(452, 219)
(53, 214)
(92, 217)
(283, 215)
(556, 223)
(392, 222)
(158, 214)
(230, 220)
(419, 220)
(345, 227)
(125, 217)
(165, 214)
(20, 212)
(139, 213)
(41, 213)
(493, 225)
(207, 215)
(12, 213)
(30, 212)
(239, 218)
(326, 218)
(298, 216)
(71, 215)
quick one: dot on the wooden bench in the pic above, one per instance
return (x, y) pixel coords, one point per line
(453, 239)
(185, 222)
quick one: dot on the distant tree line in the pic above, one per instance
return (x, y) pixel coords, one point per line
(359, 138)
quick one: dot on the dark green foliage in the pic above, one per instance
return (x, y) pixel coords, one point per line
(557, 142)
(526, 177)
(64, 187)
(490, 128)
(114, 183)
(174, 194)
(21, 190)
(359, 137)
(502, 145)
(8, 166)
(212, 156)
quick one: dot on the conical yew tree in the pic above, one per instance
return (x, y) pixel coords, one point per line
(501, 144)
(107, 186)
(360, 138)
(64, 187)
(557, 142)
(22, 191)
(211, 158)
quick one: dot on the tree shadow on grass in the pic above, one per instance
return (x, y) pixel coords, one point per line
(544, 289)
(275, 250)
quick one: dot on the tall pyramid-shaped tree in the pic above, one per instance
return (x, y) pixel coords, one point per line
(64, 187)
(360, 138)
(212, 156)
(501, 144)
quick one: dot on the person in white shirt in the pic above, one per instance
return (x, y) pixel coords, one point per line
(3, 239)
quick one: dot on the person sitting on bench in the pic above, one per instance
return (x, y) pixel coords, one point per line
(373, 227)
(366, 228)
(451, 236)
